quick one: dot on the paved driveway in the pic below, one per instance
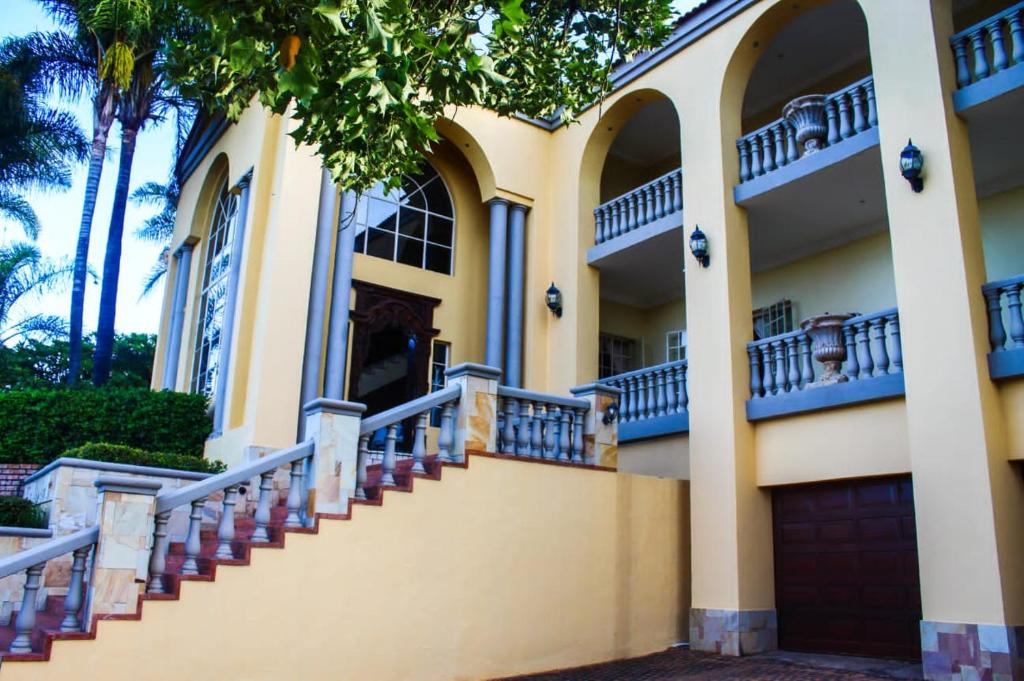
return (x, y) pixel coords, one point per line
(683, 665)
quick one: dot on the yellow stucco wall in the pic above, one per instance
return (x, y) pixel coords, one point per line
(458, 580)
(1011, 395)
(1002, 233)
(662, 457)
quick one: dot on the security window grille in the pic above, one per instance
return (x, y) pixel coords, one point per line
(617, 355)
(439, 362)
(413, 224)
(213, 295)
(773, 319)
(675, 346)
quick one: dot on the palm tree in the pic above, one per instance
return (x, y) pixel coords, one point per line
(38, 145)
(158, 228)
(24, 274)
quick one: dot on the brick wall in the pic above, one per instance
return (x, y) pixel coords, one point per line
(11, 475)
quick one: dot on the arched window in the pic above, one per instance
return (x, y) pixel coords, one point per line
(413, 224)
(213, 296)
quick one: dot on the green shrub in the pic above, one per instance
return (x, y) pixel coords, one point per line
(104, 451)
(19, 512)
(37, 426)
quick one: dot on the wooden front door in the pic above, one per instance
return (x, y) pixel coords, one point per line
(846, 576)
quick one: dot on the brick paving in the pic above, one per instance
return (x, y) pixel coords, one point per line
(684, 665)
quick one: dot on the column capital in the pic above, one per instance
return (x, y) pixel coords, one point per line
(474, 370)
(243, 183)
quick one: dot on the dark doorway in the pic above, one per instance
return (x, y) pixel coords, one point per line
(846, 576)
(391, 340)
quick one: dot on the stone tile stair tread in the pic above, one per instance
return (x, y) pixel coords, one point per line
(47, 627)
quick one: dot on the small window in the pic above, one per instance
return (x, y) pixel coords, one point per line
(773, 320)
(675, 346)
(439, 362)
(617, 355)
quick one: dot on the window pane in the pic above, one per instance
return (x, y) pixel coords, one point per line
(437, 197)
(381, 244)
(415, 199)
(412, 223)
(440, 231)
(439, 259)
(381, 214)
(361, 242)
(410, 251)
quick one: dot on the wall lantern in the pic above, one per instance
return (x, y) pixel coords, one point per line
(611, 414)
(911, 162)
(553, 297)
(699, 247)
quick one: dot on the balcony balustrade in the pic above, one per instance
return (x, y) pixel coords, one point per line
(989, 46)
(654, 400)
(661, 197)
(1005, 326)
(848, 113)
(541, 426)
(782, 373)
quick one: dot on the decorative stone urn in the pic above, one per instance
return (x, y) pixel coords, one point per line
(807, 115)
(828, 344)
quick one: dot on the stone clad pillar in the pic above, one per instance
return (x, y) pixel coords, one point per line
(241, 191)
(476, 423)
(600, 439)
(334, 426)
(120, 563)
(968, 499)
(341, 293)
(178, 303)
(516, 280)
(496, 282)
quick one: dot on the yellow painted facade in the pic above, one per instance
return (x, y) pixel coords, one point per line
(953, 428)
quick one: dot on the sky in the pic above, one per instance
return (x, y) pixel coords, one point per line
(60, 212)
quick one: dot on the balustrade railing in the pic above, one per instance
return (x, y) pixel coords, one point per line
(649, 202)
(32, 562)
(651, 392)
(784, 364)
(391, 420)
(989, 46)
(1005, 318)
(541, 426)
(848, 112)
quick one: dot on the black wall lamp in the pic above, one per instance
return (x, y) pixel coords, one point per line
(911, 163)
(611, 414)
(699, 247)
(553, 297)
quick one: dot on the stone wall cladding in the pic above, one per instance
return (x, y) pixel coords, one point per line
(11, 475)
(733, 632)
(965, 652)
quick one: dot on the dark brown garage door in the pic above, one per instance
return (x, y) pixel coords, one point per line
(846, 577)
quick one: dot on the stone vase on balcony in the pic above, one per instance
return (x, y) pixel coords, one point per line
(827, 343)
(807, 115)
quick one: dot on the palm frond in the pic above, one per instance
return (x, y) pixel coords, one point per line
(156, 274)
(17, 209)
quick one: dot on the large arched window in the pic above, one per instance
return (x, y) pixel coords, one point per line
(413, 224)
(213, 296)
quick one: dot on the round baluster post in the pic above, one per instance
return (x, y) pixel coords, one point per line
(995, 38)
(563, 434)
(852, 365)
(806, 366)
(896, 348)
(767, 156)
(419, 444)
(1016, 21)
(867, 364)
(671, 391)
(845, 121)
(860, 123)
(659, 198)
(794, 363)
(193, 544)
(26, 620)
(523, 431)
(745, 173)
(631, 212)
(550, 434)
(537, 432)
(781, 372)
(778, 132)
(878, 350)
(294, 501)
(652, 395)
(226, 528)
(684, 396)
(445, 436)
(996, 330)
(660, 397)
(869, 95)
(641, 398)
(677, 191)
(617, 219)
(631, 393)
(792, 153)
(73, 600)
(980, 58)
(508, 436)
(833, 123)
(262, 515)
(390, 460)
(154, 585)
(767, 361)
(362, 458)
(1013, 308)
(649, 201)
(755, 372)
(963, 71)
(756, 167)
(598, 226)
(577, 435)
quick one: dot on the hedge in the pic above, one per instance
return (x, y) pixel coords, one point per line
(37, 426)
(104, 451)
(20, 512)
